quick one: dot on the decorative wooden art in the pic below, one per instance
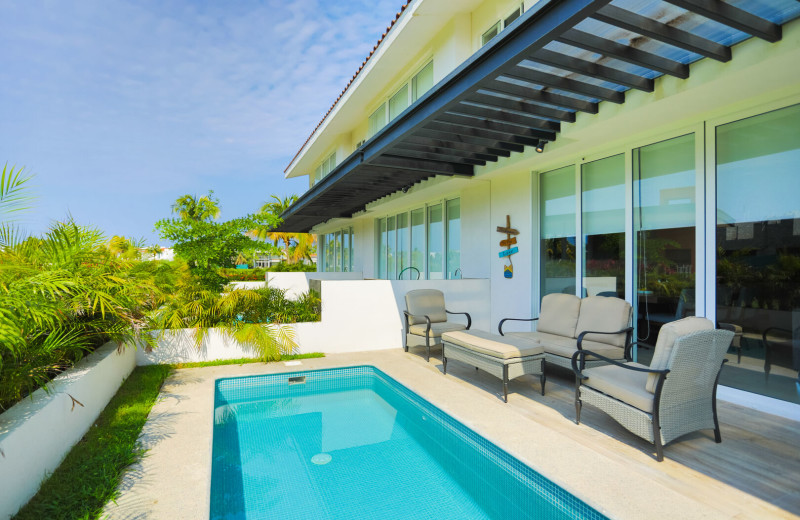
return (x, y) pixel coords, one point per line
(508, 270)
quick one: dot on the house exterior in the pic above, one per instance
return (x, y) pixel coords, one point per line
(641, 149)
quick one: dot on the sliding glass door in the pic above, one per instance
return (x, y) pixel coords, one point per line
(558, 231)
(664, 234)
(603, 223)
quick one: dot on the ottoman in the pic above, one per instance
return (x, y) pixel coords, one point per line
(506, 357)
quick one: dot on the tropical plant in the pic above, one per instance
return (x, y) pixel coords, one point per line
(296, 246)
(124, 247)
(63, 295)
(14, 198)
(255, 318)
(190, 207)
(208, 246)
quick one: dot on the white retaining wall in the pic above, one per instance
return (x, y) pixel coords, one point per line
(357, 315)
(37, 432)
(296, 284)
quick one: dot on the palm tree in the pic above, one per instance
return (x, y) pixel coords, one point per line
(189, 207)
(153, 251)
(296, 246)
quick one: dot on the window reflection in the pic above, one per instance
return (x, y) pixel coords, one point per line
(758, 251)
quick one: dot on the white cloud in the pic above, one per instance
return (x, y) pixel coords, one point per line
(139, 102)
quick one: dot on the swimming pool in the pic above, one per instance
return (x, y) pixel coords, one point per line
(353, 443)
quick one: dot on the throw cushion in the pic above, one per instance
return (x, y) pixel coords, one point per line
(425, 302)
(604, 314)
(559, 314)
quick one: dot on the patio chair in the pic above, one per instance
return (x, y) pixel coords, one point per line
(676, 395)
(426, 320)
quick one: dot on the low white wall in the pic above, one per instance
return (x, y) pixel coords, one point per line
(249, 285)
(296, 284)
(37, 432)
(368, 314)
(179, 347)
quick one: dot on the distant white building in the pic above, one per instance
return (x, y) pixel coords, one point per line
(167, 253)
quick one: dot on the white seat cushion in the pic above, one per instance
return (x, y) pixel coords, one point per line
(502, 347)
(566, 347)
(437, 329)
(627, 386)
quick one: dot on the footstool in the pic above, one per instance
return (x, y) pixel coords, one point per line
(506, 357)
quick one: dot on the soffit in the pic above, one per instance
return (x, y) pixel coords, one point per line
(557, 59)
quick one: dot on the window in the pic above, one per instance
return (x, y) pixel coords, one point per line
(407, 94)
(499, 25)
(453, 239)
(435, 239)
(558, 231)
(325, 167)
(491, 33)
(411, 245)
(758, 251)
(398, 102)
(603, 221)
(337, 251)
(422, 82)
(377, 120)
(664, 235)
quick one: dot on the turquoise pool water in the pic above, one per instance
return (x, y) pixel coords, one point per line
(353, 443)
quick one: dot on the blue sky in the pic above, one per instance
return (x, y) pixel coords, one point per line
(119, 108)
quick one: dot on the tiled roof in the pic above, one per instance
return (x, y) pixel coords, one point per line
(363, 64)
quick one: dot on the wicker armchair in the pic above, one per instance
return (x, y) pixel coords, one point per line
(676, 395)
(426, 320)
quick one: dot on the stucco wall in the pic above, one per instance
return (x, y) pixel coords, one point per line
(36, 433)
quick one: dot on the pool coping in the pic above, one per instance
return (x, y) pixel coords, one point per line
(180, 428)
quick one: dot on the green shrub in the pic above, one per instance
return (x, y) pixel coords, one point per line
(283, 267)
(243, 275)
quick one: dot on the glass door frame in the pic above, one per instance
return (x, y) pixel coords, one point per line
(705, 212)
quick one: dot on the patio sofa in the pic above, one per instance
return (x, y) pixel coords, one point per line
(567, 324)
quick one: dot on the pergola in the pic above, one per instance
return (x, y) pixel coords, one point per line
(559, 58)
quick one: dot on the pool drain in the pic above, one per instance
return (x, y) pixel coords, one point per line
(321, 459)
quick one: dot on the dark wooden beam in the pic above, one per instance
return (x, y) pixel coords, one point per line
(528, 121)
(532, 95)
(505, 130)
(437, 167)
(664, 33)
(466, 147)
(732, 16)
(626, 53)
(522, 106)
(405, 145)
(526, 137)
(592, 69)
(570, 85)
(432, 156)
(464, 137)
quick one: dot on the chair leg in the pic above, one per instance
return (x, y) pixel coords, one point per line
(444, 361)
(428, 346)
(505, 383)
(543, 377)
(659, 447)
(657, 437)
(578, 403)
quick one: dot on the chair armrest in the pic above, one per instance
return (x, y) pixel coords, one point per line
(427, 318)
(643, 344)
(583, 353)
(500, 325)
(469, 318)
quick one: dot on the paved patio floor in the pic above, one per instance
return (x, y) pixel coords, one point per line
(754, 473)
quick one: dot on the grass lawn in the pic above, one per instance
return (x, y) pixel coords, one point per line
(88, 477)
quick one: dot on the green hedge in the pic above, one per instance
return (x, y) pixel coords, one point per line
(244, 275)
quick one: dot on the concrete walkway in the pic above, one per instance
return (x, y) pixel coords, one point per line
(598, 461)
